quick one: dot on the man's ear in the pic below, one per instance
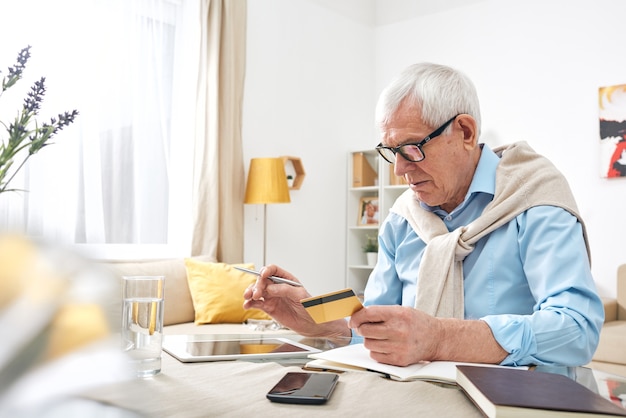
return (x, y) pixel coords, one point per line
(469, 129)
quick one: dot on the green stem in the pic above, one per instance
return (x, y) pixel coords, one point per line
(4, 188)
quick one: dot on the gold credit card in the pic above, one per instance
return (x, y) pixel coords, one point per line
(331, 306)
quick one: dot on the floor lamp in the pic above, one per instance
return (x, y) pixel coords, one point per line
(267, 183)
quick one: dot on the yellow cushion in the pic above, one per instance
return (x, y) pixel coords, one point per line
(217, 292)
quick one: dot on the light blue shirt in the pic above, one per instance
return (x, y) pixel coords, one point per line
(529, 280)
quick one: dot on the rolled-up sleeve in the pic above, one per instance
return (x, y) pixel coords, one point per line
(565, 324)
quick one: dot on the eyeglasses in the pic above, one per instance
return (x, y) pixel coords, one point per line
(411, 152)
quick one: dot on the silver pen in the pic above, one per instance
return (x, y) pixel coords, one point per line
(272, 278)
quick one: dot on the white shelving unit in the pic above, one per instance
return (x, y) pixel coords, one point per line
(386, 192)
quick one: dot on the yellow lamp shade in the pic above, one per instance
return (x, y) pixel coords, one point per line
(267, 182)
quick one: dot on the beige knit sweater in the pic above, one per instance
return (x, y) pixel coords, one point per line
(524, 179)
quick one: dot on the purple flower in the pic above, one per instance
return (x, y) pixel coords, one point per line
(33, 100)
(25, 132)
(15, 72)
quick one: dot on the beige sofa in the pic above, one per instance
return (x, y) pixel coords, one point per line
(611, 353)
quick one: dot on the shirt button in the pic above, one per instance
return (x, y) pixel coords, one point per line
(449, 218)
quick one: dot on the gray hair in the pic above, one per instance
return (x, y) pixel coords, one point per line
(439, 91)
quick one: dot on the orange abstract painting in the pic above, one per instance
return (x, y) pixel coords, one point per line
(612, 103)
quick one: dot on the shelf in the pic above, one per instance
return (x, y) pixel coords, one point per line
(298, 170)
(365, 167)
(373, 227)
(361, 266)
(365, 189)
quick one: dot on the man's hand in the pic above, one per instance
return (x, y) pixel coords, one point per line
(397, 335)
(401, 336)
(282, 302)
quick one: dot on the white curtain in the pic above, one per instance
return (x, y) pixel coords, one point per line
(218, 180)
(121, 174)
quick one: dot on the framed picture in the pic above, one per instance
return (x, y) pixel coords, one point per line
(613, 131)
(368, 211)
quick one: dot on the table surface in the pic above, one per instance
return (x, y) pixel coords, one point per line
(238, 388)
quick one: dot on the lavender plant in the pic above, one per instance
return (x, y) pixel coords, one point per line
(26, 136)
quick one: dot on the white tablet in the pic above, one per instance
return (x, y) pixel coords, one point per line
(196, 348)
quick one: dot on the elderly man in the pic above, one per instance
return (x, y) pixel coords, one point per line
(483, 259)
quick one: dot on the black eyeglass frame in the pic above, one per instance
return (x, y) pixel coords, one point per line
(434, 134)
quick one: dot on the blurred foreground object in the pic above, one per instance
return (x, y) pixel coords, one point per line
(56, 338)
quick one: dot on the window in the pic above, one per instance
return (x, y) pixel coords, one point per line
(119, 177)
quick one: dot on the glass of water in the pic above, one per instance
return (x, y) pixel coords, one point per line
(142, 322)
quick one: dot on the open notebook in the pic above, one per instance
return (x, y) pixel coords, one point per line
(356, 357)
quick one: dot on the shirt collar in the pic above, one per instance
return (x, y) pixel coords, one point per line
(484, 180)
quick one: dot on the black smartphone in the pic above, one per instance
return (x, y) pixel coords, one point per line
(304, 388)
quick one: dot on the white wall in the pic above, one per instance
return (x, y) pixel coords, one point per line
(537, 66)
(313, 75)
(309, 93)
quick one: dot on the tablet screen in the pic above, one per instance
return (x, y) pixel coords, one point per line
(212, 348)
(206, 348)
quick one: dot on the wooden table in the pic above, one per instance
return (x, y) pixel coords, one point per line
(238, 388)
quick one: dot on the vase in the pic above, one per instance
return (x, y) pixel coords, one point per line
(372, 258)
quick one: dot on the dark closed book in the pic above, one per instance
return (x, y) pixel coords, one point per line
(500, 392)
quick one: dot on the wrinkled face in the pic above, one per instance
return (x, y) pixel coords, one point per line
(444, 176)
